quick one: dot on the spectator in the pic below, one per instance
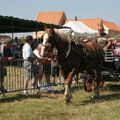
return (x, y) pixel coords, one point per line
(28, 61)
(47, 66)
(20, 50)
(5, 55)
(55, 68)
(101, 30)
(55, 71)
(3, 72)
(36, 43)
(14, 50)
(104, 43)
(7, 49)
(38, 66)
(103, 38)
(2, 75)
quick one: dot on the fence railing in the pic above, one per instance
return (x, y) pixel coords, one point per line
(14, 76)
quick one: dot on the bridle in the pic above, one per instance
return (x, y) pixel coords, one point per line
(44, 45)
(66, 52)
(53, 42)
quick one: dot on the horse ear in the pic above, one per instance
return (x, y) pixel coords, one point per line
(51, 26)
(45, 27)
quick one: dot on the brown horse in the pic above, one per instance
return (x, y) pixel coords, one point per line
(75, 56)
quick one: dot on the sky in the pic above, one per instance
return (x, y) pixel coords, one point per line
(28, 9)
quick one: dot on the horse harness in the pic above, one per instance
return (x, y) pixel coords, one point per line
(73, 46)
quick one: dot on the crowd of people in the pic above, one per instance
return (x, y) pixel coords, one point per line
(34, 65)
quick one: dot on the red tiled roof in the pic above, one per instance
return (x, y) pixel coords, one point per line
(94, 22)
(111, 26)
(51, 17)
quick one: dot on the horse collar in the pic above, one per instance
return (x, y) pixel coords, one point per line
(66, 52)
(69, 49)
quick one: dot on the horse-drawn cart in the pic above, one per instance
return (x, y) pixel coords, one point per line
(111, 69)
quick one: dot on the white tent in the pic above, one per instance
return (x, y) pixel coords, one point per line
(79, 27)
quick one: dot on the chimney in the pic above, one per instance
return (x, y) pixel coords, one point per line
(75, 18)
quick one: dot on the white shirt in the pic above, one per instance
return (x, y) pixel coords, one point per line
(27, 51)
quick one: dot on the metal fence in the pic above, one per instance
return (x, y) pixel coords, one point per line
(14, 78)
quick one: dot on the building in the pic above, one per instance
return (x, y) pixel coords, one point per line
(93, 23)
(57, 18)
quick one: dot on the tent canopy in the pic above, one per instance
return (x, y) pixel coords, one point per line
(79, 27)
(15, 25)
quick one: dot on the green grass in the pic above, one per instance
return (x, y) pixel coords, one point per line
(52, 106)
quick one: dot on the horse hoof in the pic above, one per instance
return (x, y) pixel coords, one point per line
(68, 99)
(95, 97)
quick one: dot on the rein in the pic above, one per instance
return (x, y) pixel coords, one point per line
(44, 45)
(68, 49)
(66, 52)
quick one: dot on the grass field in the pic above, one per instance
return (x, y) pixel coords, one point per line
(15, 106)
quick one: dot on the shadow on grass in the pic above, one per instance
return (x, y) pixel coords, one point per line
(17, 97)
(110, 97)
(50, 94)
(73, 89)
(54, 95)
(112, 87)
(101, 99)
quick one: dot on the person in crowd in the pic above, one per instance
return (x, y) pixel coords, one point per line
(55, 69)
(101, 31)
(4, 57)
(14, 48)
(20, 50)
(105, 43)
(36, 43)
(27, 54)
(3, 73)
(7, 50)
(102, 38)
(17, 40)
(38, 66)
(47, 66)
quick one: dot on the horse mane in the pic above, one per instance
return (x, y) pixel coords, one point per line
(63, 36)
(78, 39)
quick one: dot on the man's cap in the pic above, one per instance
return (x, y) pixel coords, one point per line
(29, 37)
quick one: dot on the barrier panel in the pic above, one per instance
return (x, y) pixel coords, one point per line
(14, 76)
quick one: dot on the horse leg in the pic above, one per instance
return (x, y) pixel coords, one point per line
(76, 78)
(95, 75)
(97, 85)
(68, 82)
(87, 81)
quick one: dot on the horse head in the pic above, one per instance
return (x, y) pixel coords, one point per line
(49, 40)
